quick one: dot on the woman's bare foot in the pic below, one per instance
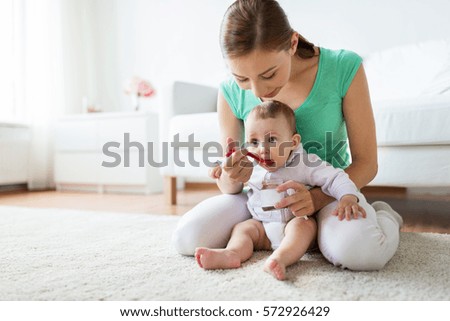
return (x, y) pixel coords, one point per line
(210, 259)
(274, 267)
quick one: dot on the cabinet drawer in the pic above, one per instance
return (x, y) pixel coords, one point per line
(113, 130)
(79, 152)
(76, 136)
(77, 168)
(132, 175)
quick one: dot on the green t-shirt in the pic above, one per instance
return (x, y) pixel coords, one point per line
(320, 120)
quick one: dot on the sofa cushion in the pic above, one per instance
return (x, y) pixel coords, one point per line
(204, 126)
(409, 71)
(413, 166)
(420, 121)
(440, 85)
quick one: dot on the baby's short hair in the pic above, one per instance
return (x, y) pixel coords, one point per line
(273, 109)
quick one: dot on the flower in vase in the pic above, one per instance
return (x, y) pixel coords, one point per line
(137, 87)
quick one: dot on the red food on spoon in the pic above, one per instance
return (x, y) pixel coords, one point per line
(267, 162)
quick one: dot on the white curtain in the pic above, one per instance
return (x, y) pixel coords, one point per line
(54, 53)
(42, 80)
(51, 50)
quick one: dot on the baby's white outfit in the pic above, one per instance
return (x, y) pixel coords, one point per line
(307, 169)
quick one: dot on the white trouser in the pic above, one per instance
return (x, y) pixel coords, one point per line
(361, 244)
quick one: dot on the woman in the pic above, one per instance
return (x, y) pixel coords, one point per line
(328, 92)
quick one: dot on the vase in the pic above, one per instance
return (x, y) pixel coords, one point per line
(134, 102)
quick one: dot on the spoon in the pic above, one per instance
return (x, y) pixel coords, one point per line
(267, 162)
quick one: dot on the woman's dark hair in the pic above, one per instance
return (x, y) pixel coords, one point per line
(258, 24)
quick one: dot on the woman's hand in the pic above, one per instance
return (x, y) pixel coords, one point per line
(348, 207)
(300, 202)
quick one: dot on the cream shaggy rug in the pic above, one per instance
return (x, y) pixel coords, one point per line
(51, 254)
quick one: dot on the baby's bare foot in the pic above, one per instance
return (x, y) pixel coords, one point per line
(277, 269)
(210, 259)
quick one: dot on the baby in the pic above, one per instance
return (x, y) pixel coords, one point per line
(271, 135)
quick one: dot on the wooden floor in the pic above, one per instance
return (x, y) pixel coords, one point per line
(421, 213)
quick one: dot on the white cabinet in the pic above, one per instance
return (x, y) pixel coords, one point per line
(84, 145)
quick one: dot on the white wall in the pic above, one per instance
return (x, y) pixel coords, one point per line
(166, 40)
(170, 40)
(90, 41)
(369, 25)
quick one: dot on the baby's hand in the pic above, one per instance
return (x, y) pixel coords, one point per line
(215, 172)
(348, 206)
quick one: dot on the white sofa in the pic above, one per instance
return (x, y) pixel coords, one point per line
(410, 91)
